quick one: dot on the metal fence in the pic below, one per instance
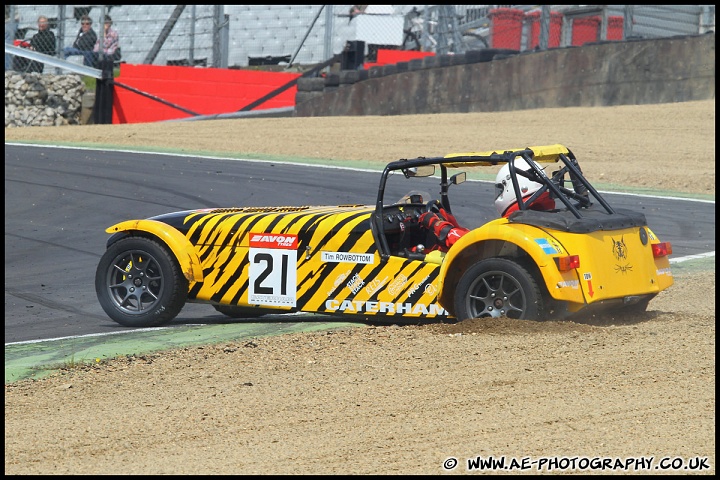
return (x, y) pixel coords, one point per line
(286, 36)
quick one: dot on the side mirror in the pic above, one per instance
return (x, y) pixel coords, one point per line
(458, 178)
(421, 171)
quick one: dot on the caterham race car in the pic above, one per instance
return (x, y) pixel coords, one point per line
(577, 256)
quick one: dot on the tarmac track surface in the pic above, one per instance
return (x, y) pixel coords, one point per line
(58, 202)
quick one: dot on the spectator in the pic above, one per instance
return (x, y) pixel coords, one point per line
(110, 51)
(84, 42)
(42, 42)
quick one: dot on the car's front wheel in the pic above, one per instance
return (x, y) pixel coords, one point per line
(139, 284)
(498, 287)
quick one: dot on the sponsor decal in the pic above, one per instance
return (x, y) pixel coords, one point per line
(271, 240)
(337, 257)
(569, 283)
(555, 244)
(664, 271)
(276, 300)
(273, 269)
(430, 289)
(356, 283)
(397, 284)
(588, 278)
(545, 245)
(374, 285)
(338, 280)
(417, 286)
(389, 308)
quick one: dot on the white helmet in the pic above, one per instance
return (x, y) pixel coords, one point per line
(504, 191)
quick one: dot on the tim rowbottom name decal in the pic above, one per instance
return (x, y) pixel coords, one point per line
(337, 257)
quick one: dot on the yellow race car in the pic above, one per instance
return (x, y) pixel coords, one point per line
(575, 256)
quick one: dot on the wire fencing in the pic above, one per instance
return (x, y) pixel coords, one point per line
(285, 36)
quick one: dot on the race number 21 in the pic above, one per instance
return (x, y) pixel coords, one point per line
(273, 269)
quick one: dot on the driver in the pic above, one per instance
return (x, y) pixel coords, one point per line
(505, 199)
(446, 228)
(443, 225)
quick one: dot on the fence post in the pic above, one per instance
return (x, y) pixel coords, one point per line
(627, 22)
(60, 33)
(544, 40)
(102, 110)
(219, 19)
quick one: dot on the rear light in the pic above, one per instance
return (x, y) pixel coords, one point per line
(567, 263)
(662, 249)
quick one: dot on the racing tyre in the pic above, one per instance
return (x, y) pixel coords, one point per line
(498, 287)
(139, 284)
(639, 308)
(238, 312)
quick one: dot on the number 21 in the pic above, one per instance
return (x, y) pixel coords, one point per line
(265, 273)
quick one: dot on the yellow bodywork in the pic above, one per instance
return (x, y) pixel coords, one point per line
(325, 259)
(542, 154)
(178, 243)
(335, 267)
(613, 264)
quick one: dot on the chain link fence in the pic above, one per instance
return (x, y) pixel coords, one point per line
(293, 36)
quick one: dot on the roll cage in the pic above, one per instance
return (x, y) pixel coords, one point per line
(580, 196)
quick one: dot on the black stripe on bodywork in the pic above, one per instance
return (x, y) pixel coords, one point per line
(305, 233)
(346, 246)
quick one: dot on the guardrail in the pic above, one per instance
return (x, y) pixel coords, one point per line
(53, 61)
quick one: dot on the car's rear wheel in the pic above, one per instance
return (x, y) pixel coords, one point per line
(639, 308)
(498, 287)
(238, 312)
(139, 284)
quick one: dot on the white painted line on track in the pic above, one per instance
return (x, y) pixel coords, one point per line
(27, 342)
(316, 165)
(672, 260)
(147, 329)
(692, 257)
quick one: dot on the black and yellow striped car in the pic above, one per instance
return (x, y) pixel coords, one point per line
(372, 261)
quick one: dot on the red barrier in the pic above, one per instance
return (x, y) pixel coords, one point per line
(391, 57)
(615, 28)
(556, 21)
(385, 57)
(206, 91)
(506, 28)
(585, 30)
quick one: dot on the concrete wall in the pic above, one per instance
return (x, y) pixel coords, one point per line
(675, 69)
